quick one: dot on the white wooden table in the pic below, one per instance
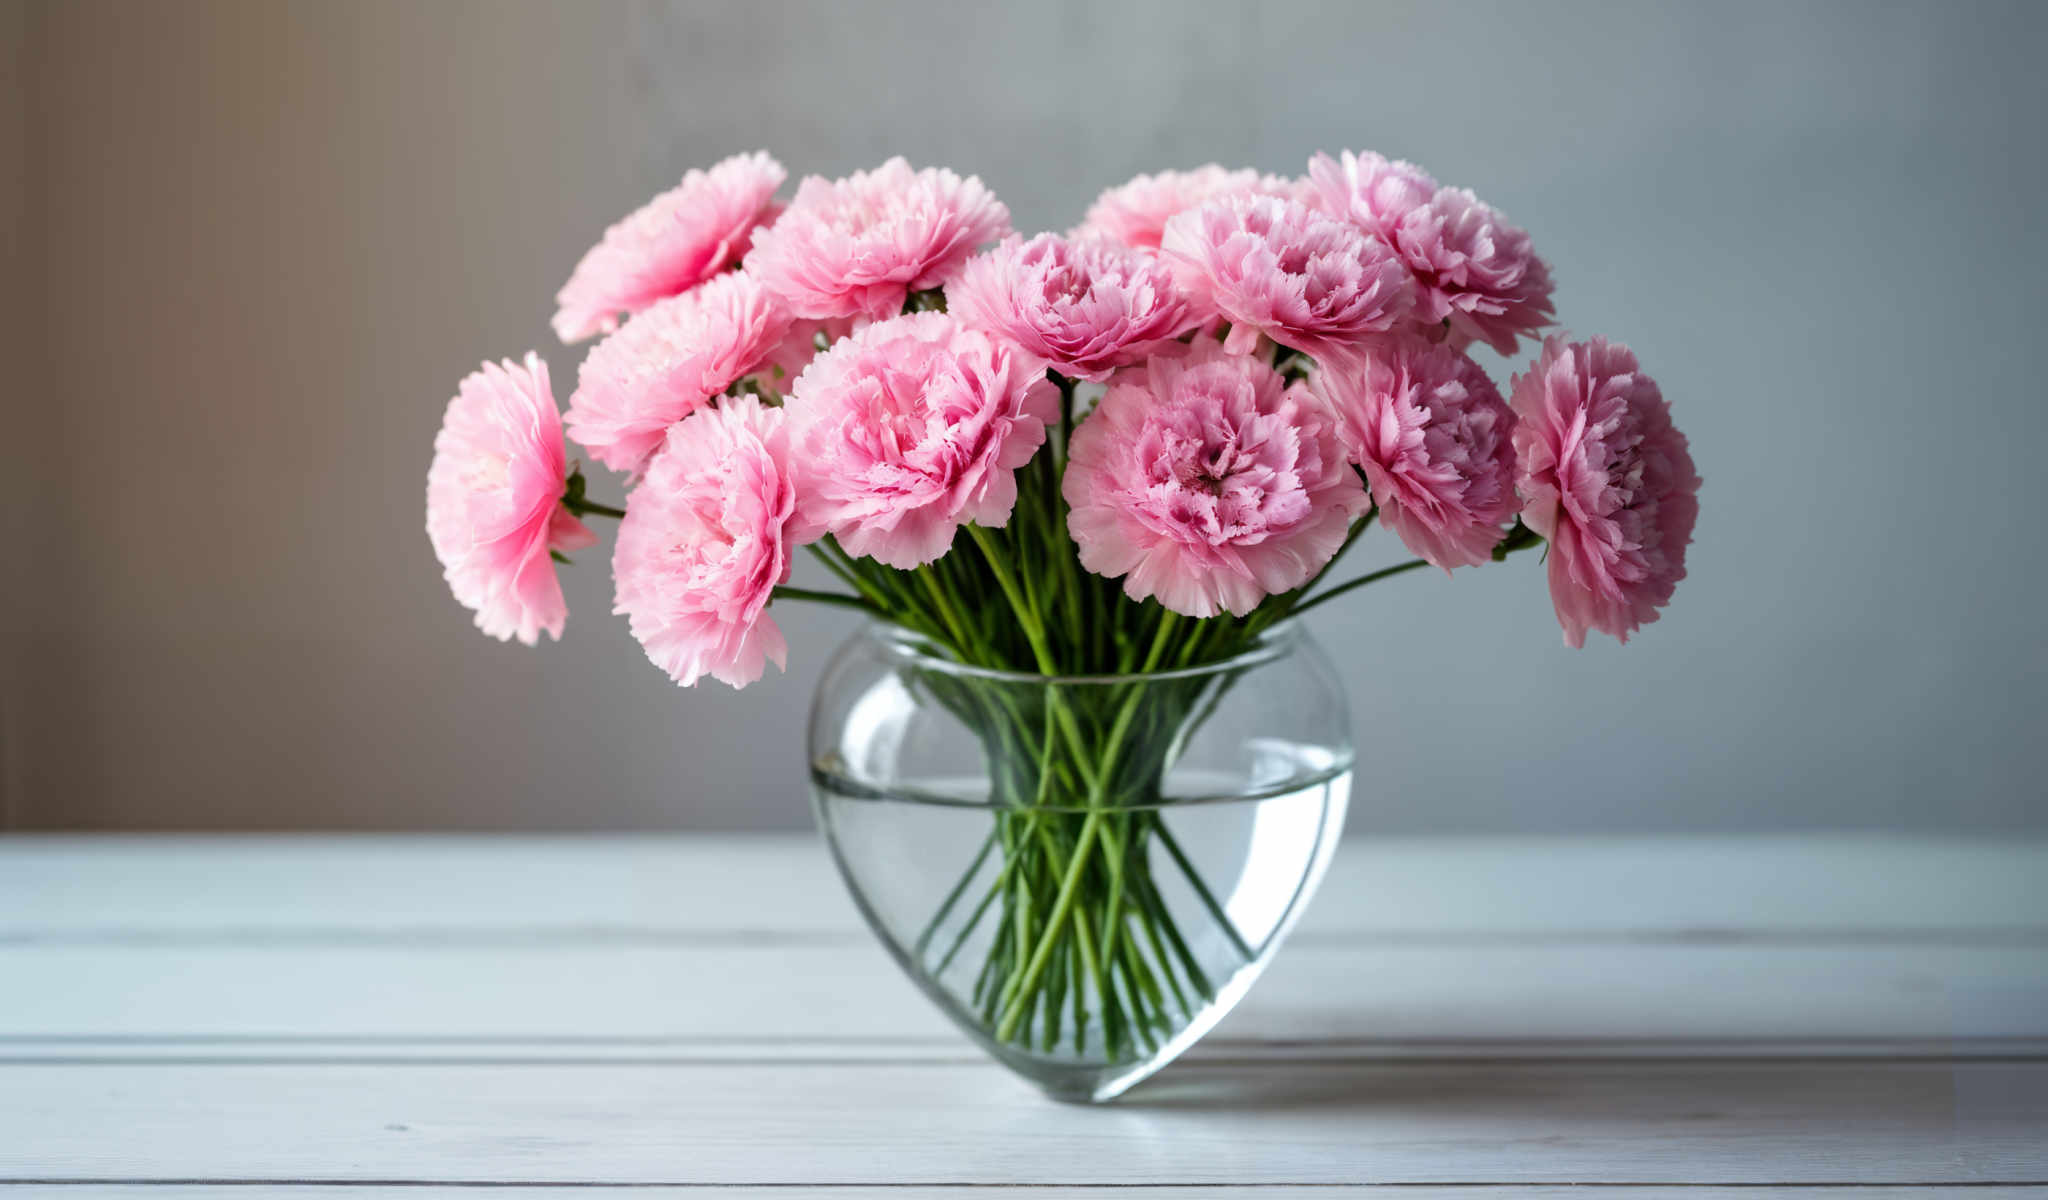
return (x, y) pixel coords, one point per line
(336, 1016)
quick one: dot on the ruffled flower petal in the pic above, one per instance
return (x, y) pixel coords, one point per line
(679, 239)
(1205, 480)
(857, 247)
(494, 500)
(1278, 268)
(706, 538)
(1086, 307)
(1608, 481)
(910, 428)
(1434, 438)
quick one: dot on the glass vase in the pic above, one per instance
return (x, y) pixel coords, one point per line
(1084, 872)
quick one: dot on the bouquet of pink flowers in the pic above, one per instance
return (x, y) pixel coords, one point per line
(1129, 448)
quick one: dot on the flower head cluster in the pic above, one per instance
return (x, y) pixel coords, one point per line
(1218, 372)
(910, 428)
(1433, 436)
(1085, 306)
(1608, 481)
(857, 247)
(494, 494)
(1205, 480)
(676, 241)
(672, 360)
(706, 538)
(1276, 267)
(1473, 270)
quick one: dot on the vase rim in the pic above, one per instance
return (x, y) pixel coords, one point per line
(1273, 644)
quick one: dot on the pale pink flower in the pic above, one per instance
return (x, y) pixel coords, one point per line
(671, 360)
(1472, 269)
(1372, 192)
(1276, 267)
(913, 426)
(1136, 213)
(1086, 306)
(494, 500)
(1207, 481)
(1433, 436)
(706, 538)
(678, 240)
(857, 247)
(1609, 483)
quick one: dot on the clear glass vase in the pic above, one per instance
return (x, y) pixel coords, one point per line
(1085, 872)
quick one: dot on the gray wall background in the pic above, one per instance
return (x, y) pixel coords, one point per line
(250, 248)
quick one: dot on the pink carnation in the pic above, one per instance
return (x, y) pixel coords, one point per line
(681, 238)
(1086, 306)
(1275, 267)
(857, 247)
(1372, 192)
(1471, 267)
(1432, 433)
(706, 538)
(1208, 482)
(672, 360)
(1608, 481)
(493, 500)
(1136, 213)
(913, 426)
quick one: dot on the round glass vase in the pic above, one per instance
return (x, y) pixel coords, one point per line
(1084, 872)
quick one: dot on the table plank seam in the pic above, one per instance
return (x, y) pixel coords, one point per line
(1153, 1185)
(977, 1060)
(595, 936)
(803, 1039)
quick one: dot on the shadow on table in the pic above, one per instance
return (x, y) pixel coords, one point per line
(1278, 1087)
(1949, 1094)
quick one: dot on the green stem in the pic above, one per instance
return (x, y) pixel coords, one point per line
(786, 592)
(835, 560)
(579, 507)
(1034, 632)
(973, 919)
(573, 498)
(1358, 528)
(1208, 898)
(1355, 584)
(1063, 905)
(943, 605)
(953, 897)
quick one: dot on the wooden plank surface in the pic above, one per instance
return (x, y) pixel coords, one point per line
(652, 887)
(1317, 992)
(806, 1123)
(586, 1011)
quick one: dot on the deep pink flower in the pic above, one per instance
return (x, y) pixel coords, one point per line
(1472, 269)
(672, 360)
(1433, 435)
(1275, 267)
(911, 427)
(1208, 482)
(493, 500)
(681, 238)
(856, 247)
(706, 538)
(1086, 306)
(1608, 481)
(1136, 213)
